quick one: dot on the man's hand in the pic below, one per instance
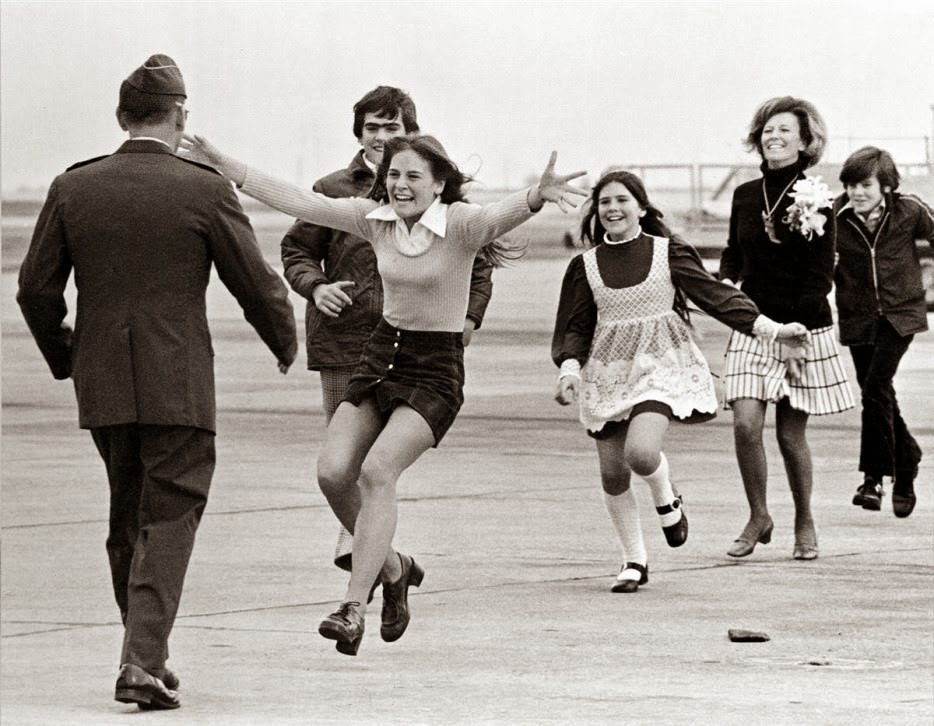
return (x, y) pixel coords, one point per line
(330, 298)
(469, 327)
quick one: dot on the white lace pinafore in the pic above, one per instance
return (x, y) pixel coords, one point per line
(642, 350)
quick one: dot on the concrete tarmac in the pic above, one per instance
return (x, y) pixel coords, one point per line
(514, 623)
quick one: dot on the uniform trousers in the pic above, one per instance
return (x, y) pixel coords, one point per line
(159, 481)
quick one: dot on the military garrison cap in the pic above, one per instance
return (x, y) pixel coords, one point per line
(159, 75)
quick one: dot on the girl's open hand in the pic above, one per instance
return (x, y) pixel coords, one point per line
(199, 149)
(553, 187)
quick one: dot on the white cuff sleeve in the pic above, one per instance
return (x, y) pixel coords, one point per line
(570, 367)
(766, 328)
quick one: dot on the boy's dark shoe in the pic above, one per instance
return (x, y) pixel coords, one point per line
(869, 495)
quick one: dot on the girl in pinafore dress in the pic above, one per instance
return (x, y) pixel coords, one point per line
(408, 387)
(625, 351)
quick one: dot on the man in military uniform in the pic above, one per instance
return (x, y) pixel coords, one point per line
(141, 229)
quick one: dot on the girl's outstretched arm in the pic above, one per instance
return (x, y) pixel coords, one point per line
(347, 214)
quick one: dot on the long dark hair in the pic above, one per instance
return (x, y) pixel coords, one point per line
(498, 252)
(593, 232)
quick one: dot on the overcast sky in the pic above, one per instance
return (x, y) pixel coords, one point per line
(501, 83)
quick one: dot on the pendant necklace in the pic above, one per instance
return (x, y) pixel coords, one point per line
(767, 214)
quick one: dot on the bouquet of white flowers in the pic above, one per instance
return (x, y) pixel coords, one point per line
(810, 195)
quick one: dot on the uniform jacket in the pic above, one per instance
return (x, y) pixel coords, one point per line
(141, 229)
(312, 255)
(879, 274)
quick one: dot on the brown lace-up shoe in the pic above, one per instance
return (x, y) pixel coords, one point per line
(395, 615)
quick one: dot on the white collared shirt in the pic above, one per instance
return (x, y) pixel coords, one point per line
(151, 138)
(430, 226)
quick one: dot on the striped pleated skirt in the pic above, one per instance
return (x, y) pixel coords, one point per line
(756, 369)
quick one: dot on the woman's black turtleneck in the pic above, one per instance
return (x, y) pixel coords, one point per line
(788, 280)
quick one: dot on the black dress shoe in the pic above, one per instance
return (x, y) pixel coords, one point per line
(134, 685)
(395, 614)
(903, 504)
(869, 495)
(170, 680)
(628, 584)
(345, 626)
(675, 534)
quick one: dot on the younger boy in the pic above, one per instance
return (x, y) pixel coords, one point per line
(881, 305)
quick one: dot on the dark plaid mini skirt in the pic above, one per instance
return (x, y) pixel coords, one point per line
(419, 368)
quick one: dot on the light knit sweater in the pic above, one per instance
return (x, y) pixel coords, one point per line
(425, 272)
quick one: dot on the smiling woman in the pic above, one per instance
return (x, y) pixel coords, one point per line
(411, 186)
(786, 267)
(408, 387)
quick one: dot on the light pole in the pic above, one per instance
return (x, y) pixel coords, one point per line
(930, 143)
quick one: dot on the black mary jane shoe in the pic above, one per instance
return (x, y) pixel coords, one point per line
(629, 584)
(675, 534)
(135, 685)
(344, 626)
(395, 613)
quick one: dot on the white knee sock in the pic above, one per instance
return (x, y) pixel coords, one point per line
(624, 514)
(662, 492)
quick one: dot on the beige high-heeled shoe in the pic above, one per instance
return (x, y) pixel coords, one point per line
(744, 545)
(805, 547)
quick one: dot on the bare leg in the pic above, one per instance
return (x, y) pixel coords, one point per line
(405, 437)
(350, 435)
(644, 443)
(645, 457)
(615, 474)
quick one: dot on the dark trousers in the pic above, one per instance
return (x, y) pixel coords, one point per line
(159, 480)
(886, 447)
